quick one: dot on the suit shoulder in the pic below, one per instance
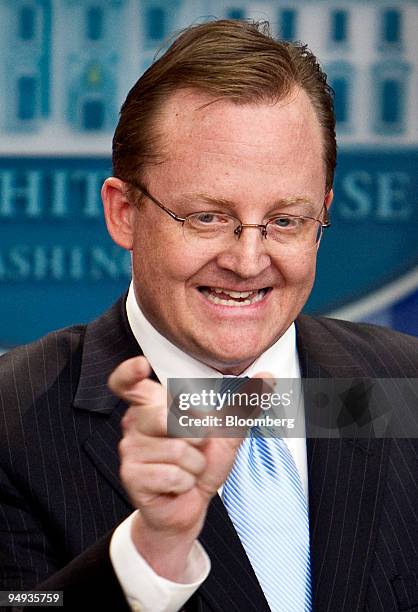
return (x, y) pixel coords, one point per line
(29, 371)
(362, 332)
(377, 350)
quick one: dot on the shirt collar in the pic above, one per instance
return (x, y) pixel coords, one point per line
(169, 361)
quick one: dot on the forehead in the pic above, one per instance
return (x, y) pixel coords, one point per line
(205, 139)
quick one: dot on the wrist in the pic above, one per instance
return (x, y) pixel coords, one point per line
(167, 552)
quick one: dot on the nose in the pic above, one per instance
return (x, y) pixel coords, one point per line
(247, 256)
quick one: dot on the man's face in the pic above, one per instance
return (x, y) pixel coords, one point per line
(243, 160)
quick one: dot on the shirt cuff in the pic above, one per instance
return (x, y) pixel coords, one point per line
(144, 589)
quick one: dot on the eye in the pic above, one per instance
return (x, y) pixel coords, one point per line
(209, 218)
(286, 222)
(205, 217)
(282, 222)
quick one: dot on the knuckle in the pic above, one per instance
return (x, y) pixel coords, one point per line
(200, 463)
(161, 422)
(127, 420)
(129, 444)
(150, 388)
(173, 476)
(176, 449)
(124, 446)
(137, 365)
(127, 473)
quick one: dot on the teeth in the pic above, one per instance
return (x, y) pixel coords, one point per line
(256, 297)
(234, 294)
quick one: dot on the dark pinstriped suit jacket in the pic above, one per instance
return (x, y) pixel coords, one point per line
(60, 494)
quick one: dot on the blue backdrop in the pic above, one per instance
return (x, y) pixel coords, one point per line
(67, 66)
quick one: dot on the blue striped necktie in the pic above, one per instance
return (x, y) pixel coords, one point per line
(265, 500)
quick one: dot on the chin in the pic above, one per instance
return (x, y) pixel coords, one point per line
(225, 357)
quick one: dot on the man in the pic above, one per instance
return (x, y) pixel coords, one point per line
(223, 167)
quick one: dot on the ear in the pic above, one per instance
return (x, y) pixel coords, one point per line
(119, 212)
(328, 198)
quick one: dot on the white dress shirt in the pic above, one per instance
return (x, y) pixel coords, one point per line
(144, 589)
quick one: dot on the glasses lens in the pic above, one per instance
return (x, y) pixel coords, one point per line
(214, 231)
(212, 226)
(294, 233)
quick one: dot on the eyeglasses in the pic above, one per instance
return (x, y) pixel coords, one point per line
(215, 230)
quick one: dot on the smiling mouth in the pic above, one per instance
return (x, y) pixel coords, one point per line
(227, 297)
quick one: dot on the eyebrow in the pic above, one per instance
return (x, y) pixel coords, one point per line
(278, 204)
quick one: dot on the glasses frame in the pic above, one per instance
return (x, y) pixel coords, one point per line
(324, 223)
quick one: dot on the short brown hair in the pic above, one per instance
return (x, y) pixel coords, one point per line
(237, 60)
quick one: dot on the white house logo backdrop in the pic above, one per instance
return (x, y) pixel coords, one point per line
(65, 68)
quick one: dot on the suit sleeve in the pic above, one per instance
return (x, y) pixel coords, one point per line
(28, 559)
(88, 581)
(26, 554)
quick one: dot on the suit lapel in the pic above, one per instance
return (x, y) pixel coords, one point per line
(108, 341)
(231, 584)
(345, 497)
(101, 448)
(346, 479)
